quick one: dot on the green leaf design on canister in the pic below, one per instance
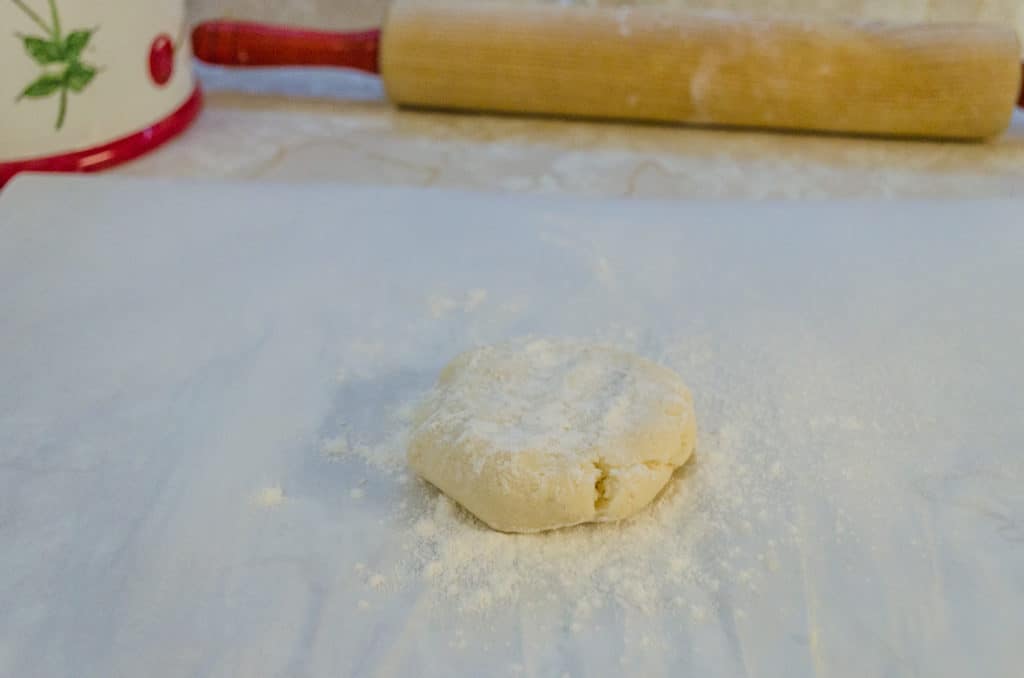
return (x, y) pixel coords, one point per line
(43, 51)
(78, 75)
(55, 49)
(75, 43)
(43, 86)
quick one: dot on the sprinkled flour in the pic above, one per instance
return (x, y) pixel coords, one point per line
(640, 562)
(270, 497)
(703, 529)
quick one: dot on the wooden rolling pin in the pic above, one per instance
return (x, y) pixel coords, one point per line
(657, 64)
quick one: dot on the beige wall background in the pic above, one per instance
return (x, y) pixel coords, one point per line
(361, 13)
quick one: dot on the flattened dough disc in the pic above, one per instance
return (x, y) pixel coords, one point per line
(536, 435)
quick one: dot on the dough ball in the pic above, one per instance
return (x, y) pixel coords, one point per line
(536, 435)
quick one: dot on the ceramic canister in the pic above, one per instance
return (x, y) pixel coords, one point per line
(88, 83)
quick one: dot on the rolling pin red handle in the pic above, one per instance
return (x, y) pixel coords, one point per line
(244, 43)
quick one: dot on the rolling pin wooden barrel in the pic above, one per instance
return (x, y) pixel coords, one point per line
(953, 81)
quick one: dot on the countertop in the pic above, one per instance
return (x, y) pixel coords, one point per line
(301, 125)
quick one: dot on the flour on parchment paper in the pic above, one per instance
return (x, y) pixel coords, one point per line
(701, 531)
(441, 305)
(269, 497)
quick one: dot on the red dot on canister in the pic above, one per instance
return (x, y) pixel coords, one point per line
(161, 59)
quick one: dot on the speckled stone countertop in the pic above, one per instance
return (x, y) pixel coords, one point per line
(325, 125)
